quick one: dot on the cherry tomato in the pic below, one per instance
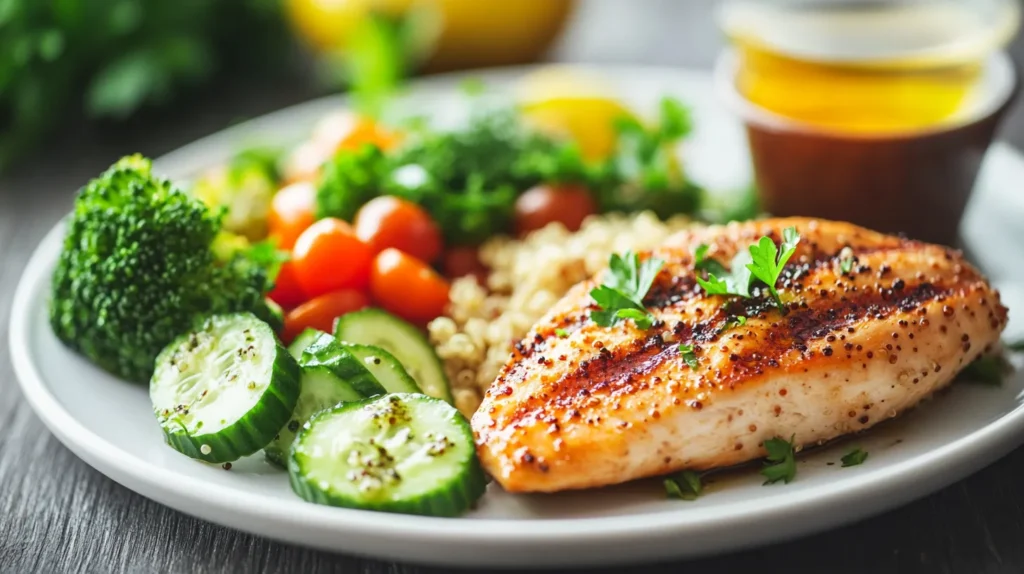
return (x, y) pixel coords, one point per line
(335, 132)
(320, 312)
(329, 257)
(287, 292)
(544, 204)
(463, 260)
(347, 130)
(407, 286)
(291, 212)
(388, 221)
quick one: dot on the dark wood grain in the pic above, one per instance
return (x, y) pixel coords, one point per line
(58, 515)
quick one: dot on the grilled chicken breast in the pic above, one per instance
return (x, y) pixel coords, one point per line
(598, 406)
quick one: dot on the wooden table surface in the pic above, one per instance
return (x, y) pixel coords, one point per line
(59, 515)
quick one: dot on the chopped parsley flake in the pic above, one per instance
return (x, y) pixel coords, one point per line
(684, 485)
(854, 457)
(561, 333)
(689, 356)
(846, 265)
(731, 322)
(781, 461)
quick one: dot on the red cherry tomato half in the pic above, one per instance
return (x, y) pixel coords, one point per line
(544, 204)
(291, 212)
(407, 287)
(393, 222)
(287, 292)
(329, 257)
(464, 260)
(320, 312)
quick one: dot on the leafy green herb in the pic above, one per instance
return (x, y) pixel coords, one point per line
(846, 265)
(854, 457)
(643, 319)
(468, 178)
(112, 58)
(684, 485)
(561, 333)
(643, 172)
(625, 285)
(702, 263)
(349, 180)
(379, 53)
(266, 256)
(781, 461)
(990, 370)
(731, 283)
(768, 260)
(689, 355)
(763, 261)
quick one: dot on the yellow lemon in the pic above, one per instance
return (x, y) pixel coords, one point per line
(571, 103)
(471, 33)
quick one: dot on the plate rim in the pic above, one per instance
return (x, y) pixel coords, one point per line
(859, 495)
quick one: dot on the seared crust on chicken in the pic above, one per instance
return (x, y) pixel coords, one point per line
(600, 406)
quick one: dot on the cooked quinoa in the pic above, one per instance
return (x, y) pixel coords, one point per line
(527, 277)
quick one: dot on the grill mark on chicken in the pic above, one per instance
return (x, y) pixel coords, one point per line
(622, 369)
(673, 289)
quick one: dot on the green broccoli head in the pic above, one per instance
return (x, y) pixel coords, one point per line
(137, 270)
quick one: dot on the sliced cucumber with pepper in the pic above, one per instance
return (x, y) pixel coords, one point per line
(401, 339)
(325, 351)
(403, 452)
(222, 391)
(384, 367)
(320, 389)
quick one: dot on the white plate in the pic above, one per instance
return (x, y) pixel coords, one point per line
(109, 424)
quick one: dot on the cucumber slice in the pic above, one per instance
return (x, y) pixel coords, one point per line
(325, 351)
(321, 389)
(302, 341)
(222, 391)
(401, 339)
(406, 453)
(384, 367)
(272, 314)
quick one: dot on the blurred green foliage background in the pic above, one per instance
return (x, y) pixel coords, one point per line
(109, 58)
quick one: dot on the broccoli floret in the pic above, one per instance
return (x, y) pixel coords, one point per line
(137, 270)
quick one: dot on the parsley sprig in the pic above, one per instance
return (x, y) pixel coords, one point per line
(854, 457)
(781, 461)
(763, 261)
(684, 485)
(689, 355)
(621, 295)
(846, 265)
